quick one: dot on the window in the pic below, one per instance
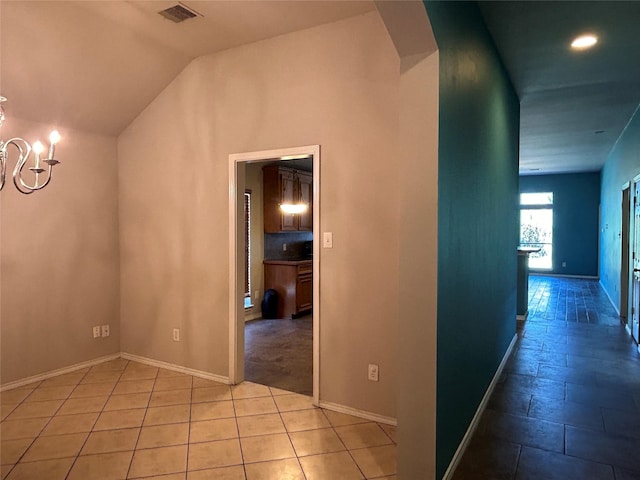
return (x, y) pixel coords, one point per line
(247, 249)
(536, 227)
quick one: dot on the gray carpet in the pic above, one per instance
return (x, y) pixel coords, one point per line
(279, 353)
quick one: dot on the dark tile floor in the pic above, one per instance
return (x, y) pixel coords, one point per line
(567, 405)
(279, 353)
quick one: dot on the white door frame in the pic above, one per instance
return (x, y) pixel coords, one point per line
(236, 266)
(634, 241)
(626, 247)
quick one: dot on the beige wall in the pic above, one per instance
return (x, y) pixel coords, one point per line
(253, 179)
(336, 85)
(59, 257)
(418, 269)
(410, 30)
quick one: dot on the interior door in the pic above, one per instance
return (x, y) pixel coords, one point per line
(625, 248)
(635, 305)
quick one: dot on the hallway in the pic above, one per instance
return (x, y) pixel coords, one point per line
(567, 405)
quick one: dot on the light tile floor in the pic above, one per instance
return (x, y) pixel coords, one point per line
(126, 420)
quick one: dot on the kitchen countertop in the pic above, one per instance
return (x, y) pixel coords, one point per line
(528, 250)
(288, 261)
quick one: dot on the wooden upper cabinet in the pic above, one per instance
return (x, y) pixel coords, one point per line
(286, 185)
(288, 194)
(305, 195)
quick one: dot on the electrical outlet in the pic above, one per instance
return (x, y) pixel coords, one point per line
(256, 294)
(284, 247)
(105, 330)
(176, 334)
(564, 264)
(373, 372)
(96, 331)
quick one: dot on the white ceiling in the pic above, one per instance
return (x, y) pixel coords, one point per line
(95, 65)
(573, 105)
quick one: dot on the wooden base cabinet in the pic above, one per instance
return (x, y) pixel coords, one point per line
(304, 287)
(293, 280)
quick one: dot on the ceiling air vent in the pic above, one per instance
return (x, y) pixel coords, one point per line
(178, 13)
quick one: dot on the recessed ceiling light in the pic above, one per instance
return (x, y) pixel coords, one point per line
(584, 42)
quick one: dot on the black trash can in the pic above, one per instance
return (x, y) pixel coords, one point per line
(270, 304)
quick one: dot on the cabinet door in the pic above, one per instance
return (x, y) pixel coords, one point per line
(287, 195)
(271, 198)
(305, 195)
(304, 293)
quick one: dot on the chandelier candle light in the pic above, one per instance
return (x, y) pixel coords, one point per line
(24, 152)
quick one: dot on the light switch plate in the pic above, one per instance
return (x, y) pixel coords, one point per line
(327, 239)
(373, 372)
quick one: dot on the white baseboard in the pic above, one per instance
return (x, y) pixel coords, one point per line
(615, 307)
(335, 407)
(562, 275)
(175, 368)
(126, 356)
(476, 418)
(58, 372)
(252, 316)
(628, 330)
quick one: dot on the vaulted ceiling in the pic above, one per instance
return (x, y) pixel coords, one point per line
(95, 65)
(98, 64)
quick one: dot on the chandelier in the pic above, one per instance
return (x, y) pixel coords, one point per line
(24, 152)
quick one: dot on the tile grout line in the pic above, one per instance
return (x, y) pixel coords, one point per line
(146, 410)
(51, 419)
(55, 415)
(348, 451)
(186, 472)
(520, 447)
(235, 416)
(24, 400)
(574, 338)
(295, 452)
(345, 445)
(97, 417)
(157, 377)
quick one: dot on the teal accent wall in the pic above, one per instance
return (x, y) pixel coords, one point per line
(576, 201)
(477, 218)
(622, 165)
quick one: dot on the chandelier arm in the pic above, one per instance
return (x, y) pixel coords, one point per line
(3, 164)
(24, 151)
(40, 187)
(22, 160)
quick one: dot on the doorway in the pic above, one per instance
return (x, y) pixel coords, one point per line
(625, 247)
(536, 228)
(238, 164)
